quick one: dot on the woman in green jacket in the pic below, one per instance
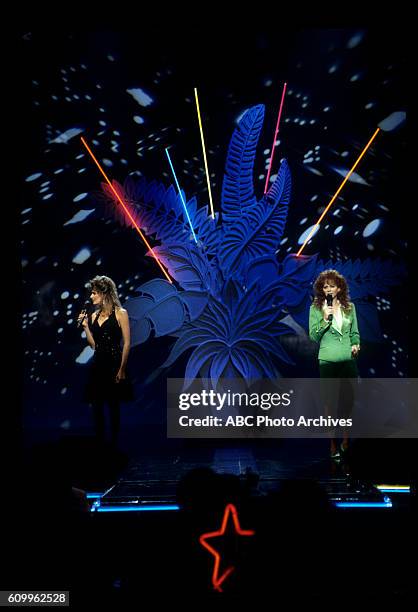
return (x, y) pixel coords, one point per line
(335, 328)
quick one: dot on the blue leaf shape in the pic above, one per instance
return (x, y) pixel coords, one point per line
(369, 277)
(159, 212)
(269, 343)
(254, 322)
(260, 363)
(187, 265)
(301, 313)
(157, 289)
(241, 362)
(195, 302)
(280, 191)
(249, 356)
(247, 305)
(293, 282)
(218, 365)
(220, 318)
(263, 270)
(237, 187)
(201, 356)
(301, 267)
(232, 293)
(158, 309)
(296, 278)
(259, 229)
(243, 333)
(187, 340)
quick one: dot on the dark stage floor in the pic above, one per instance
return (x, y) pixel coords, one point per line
(146, 460)
(120, 555)
(147, 467)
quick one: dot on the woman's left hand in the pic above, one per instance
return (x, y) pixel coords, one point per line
(355, 349)
(121, 375)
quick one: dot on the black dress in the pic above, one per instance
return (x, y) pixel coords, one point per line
(101, 385)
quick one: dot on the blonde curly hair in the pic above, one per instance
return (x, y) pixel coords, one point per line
(106, 286)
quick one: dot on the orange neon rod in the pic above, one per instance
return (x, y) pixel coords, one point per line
(336, 194)
(126, 209)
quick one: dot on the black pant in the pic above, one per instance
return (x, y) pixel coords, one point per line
(338, 395)
(338, 369)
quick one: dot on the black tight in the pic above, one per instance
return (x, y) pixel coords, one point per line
(99, 420)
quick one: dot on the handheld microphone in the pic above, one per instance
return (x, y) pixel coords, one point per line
(86, 309)
(329, 303)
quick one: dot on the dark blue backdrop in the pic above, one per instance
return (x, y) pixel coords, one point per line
(131, 97)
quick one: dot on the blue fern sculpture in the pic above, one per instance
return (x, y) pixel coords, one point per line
(232, 300)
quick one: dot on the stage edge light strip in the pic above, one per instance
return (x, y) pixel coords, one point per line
(394, 491)
(364, 504)
(155, 508)
(387, 488)
(338, 191)
(275, 137)
(126, 210)
(181, 196)
(204, 153)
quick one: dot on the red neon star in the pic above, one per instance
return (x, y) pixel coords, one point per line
(229, 509)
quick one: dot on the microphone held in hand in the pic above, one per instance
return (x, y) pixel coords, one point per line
(86, 310)
(329, 303)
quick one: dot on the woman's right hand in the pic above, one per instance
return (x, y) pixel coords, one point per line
(83, 319)
(328, 310)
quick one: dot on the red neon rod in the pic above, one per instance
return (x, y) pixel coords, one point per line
(126, 209)
(275, 136)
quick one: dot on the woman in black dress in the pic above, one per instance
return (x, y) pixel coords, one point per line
(108, 334)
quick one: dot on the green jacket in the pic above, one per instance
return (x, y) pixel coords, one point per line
(334, 346)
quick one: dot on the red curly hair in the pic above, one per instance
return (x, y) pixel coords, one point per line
(337, 279)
